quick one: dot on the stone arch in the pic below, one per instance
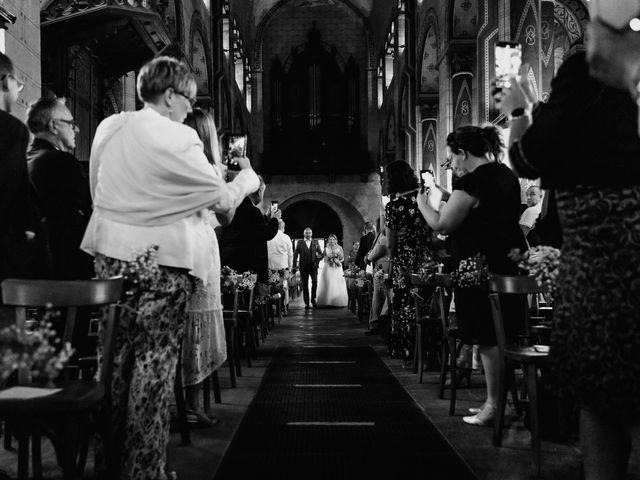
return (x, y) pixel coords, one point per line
(352, 220)
(200, 53)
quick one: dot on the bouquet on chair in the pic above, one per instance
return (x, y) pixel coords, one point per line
(228, 279)
(428, 267)
(471, 272)
(248, 281)
(38, 350)
(141, 272)
(542, 263)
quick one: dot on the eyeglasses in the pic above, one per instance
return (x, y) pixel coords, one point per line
(192, 101)
(71, 123)
(15, 79)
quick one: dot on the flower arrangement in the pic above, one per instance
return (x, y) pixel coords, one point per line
(471, 272)
(378, 275)
(428, 267)
(275, 279)
(540, 262)
(247, 281)
(354, 272)
(141, 272)
(39, 351)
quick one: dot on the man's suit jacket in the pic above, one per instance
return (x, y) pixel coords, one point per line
(62, 192)
(243, 243)
(18, 257)
(366, 242)
(309, 256)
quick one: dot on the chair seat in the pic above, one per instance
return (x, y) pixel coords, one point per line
(526, 354)
(75, 396)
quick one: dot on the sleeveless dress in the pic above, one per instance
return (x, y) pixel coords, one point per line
(332, 287)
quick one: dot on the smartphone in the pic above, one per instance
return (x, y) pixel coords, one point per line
(508, 61)
(427, 179)
(236, 147)
(274, 206)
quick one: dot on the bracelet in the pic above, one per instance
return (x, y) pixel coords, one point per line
(516, 113)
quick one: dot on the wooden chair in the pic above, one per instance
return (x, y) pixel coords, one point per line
(529, 357)
(423, 322)
(231, 302)
(65, 417)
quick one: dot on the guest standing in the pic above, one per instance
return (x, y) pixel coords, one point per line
(408, 241)
(243, 243)
(19, 246)
(307, 255)
(583, 144)
(150, 179)
(61, 185)
(204, 347)
(481, 217)
(280, 252)
(365, 244)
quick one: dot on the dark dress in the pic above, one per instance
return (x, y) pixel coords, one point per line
(413, 241)
(491, 229)
(584, 145)
(243, 243)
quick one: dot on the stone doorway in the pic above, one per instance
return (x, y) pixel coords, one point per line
(322, 219)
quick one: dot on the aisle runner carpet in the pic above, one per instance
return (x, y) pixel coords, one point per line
(328, 413)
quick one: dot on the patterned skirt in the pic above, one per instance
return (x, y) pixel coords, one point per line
(595, 344)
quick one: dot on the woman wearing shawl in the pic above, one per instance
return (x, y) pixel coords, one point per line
(149, 180)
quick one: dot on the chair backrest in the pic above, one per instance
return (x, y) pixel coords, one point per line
(68, 296)
(510, 284)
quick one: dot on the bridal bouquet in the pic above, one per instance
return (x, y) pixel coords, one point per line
(333, 260)
(39, 351)
(141, 272)
(540, 262)
(471, 272)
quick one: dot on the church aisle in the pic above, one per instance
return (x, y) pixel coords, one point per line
(330, 331)
(325, 412)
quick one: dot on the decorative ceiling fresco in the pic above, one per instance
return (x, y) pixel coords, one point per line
(465, 19)
(429, 70)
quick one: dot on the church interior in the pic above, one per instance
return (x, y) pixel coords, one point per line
(328, 94)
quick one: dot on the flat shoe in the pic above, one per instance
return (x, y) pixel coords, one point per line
(475, 410)
(482, 419)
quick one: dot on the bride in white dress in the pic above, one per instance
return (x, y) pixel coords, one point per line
(332, 288)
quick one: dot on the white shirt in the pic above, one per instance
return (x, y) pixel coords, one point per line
(280, 251)
(530, 215)
(308, 242)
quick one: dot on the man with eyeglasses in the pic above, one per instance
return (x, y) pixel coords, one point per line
(62, 186)
(18, 245)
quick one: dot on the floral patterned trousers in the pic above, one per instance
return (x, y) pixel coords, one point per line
(146, 352)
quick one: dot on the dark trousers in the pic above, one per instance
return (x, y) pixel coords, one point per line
(305, 285)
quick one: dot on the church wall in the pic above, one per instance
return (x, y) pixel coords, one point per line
(348, 193)
(22, 45)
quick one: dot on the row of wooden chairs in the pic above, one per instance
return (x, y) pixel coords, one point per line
(529, 358)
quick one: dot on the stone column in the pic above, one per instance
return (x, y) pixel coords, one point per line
(463, 59)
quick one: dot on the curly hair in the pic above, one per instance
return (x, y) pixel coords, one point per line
(400, 177)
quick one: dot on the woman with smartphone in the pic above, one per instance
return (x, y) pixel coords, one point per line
(481, 217)
(408, 241)
(583, 144)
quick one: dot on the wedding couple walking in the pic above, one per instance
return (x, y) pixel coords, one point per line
(331, 287)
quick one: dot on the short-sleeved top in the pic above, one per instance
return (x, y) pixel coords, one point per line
(413, 236)
(492, 227)
(530, 215)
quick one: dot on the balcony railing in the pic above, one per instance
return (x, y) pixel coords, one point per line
(64, 8)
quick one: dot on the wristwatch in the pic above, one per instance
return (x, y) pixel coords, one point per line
(516, 113)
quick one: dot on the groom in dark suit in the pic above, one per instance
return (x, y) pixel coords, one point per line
(310, 254)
